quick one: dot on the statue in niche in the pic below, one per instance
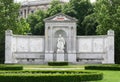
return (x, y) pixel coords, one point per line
(60, 44)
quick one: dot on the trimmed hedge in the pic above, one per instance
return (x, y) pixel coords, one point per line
(57, 63)
(74, 76)
(103, 67)
(10, 67)
(47, 72)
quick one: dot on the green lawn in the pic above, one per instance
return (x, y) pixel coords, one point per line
(110, 76)
(46, 66)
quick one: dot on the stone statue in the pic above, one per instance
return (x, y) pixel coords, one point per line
(60, 44)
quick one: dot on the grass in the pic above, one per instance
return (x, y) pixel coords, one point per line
(109, 76)
(46, 66)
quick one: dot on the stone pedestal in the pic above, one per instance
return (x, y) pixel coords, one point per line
(60, 57)
(48, 57)
(71, 57)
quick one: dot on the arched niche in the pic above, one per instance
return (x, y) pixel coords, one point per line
(56, 35)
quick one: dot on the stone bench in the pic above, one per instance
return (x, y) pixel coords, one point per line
(28, 59)
(90, 60)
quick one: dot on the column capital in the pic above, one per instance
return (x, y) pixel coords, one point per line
(110, 32)
(8, 32)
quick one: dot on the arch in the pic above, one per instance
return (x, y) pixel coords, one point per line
(56, 35)
(62, 32)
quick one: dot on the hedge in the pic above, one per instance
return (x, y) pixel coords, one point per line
(54, 77)
(47, 72)
(57, 63)
(103, 67)
(10, 67)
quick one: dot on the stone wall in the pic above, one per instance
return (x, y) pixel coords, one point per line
(97, 49)
(24, 48)
(28, 49)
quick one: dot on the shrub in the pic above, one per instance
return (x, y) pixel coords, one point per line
(103, 67)
(57, 63)
(29, 76)
(10, 67)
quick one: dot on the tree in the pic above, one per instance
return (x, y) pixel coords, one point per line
(55, 8)
(89, 23)
(9, 12)
(22, 27)
(107, 13)
(36, 22)
(82, 8)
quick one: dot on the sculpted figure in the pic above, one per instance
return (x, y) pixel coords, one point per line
(60, 43)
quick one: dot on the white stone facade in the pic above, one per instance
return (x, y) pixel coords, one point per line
(29, 7)
(28, 49)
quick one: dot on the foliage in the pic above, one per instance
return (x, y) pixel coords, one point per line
(36, 22)
(23, 27)
(10, 67)
(9, 12)
(64, 76)
(78, 9)
(103, 67)
(57, 63)
(8, 20)
(82, 8)
(107, 13)
(56, 7)
(89, 23)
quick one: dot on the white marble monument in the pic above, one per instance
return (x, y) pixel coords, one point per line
(60, 43)
(60, 48)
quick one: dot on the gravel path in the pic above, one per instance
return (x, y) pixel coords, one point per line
(53, 68)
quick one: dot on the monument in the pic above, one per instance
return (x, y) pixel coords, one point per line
(60, 43)
(60, 48)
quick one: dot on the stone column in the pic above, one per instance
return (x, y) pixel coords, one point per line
(8, 47)
(23, 13)
(110, 47)
(26, 12)
(46, 39)
(48, 55)
(72, 53)
(69, 40)
(51, 40)
(74, 39)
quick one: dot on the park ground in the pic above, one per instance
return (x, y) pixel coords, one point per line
(109, 76)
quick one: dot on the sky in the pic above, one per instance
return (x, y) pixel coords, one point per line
(34, 0)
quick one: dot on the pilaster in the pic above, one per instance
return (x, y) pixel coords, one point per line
(8, 46)
(110, 47)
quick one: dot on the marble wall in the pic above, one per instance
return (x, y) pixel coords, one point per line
(27, 49)
(98, 48)
(24, 48)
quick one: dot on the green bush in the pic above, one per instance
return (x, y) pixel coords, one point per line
(57, 63)
(41, 76)
(48, 72)
(103, 67)
(10, 67)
